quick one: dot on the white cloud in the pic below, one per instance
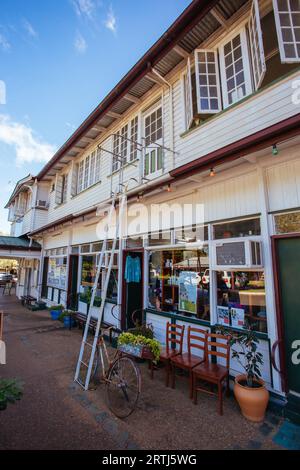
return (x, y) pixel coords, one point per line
(85, 8)
(4, 44)
(28, 146)
(29, 29)
(111, 21)
(80, 44)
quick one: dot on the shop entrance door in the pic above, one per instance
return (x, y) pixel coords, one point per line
(132, 287)
(72, 285)
(287, 251)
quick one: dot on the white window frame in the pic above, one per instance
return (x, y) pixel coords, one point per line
(88, 170)
(246, 63)
(123, 146)
(284, 59)
(151, 150)
(217, 74)
(188, 95)
(133, 128)
(257, 49)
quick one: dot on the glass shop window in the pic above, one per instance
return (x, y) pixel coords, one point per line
(287, 223)
(160, 238)
(192, 234)
(240, 228)
(178, 282)
(241, 300)
(88, 274)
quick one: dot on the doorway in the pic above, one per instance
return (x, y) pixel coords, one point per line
(287, 278)
(72, 284)
(132, 286)
(27, 287)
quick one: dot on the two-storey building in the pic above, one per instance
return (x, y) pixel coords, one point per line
(208, 118)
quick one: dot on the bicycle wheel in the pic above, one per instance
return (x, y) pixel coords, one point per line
(123, 387)
(95, 377)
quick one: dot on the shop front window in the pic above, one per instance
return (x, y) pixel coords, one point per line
(240, 228)
(177, 282)
(194, 234)
(287, 223)
(88, 272)
(57, 272)
(241, 300)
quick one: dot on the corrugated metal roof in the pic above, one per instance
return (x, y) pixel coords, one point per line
(200, 32)
(18, 242)
(141, 87)
(168, 63)
(228, 7)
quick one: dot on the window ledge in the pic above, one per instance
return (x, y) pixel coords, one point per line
(239, 103)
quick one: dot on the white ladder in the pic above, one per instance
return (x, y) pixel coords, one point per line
(84, 383)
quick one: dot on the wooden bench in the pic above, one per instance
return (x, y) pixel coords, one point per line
(81, 321)
(27, 299)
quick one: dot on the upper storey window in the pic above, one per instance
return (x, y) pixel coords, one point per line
(287, 17)
(87, 172)
(236, 67)
(153, 128)
(125, 147)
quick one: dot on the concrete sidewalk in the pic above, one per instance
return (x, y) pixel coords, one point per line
(55, 413)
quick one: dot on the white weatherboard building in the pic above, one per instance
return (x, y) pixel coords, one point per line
(209, 116)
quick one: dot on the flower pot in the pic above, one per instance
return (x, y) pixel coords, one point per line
(69, 321)
(252, 401)
(55, 314)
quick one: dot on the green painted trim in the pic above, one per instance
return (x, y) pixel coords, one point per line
(247, 98)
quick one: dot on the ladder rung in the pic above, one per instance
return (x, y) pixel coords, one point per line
(88, 344)
(84, 363)
(79, 382)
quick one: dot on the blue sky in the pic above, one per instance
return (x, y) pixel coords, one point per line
(58, 59)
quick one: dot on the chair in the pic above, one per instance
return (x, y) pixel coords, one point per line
(211, 372)
(187, 361)
(174, 338)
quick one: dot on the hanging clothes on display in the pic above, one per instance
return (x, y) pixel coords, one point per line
(133, 269)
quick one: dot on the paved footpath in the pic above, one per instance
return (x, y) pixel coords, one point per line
(54, 413)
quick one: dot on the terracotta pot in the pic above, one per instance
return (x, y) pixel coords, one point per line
(253, 401)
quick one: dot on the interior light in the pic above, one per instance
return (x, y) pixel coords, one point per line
(212, 172)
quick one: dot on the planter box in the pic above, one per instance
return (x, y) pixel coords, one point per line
(136, 350)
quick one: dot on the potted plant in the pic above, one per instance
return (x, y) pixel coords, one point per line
(67, 317)
(55, 311)
(10, 391)
(249, 389)
(139, 346)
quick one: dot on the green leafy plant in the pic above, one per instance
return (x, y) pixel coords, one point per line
(10, 391)
(247, 355)
(85, 297)
(56, 308)
(143, 330)
(139, 340)
(66, 313)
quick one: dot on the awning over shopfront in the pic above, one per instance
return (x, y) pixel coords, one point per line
(19, 247)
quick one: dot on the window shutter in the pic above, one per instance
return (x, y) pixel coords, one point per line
(65, 188)
(188, 96)
(97, 168)
(287, 13)
(58, 190)
(74, 179)
(207, 81)
(256, 45)
(92, 168)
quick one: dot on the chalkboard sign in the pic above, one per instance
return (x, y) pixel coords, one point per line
(231, 254)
